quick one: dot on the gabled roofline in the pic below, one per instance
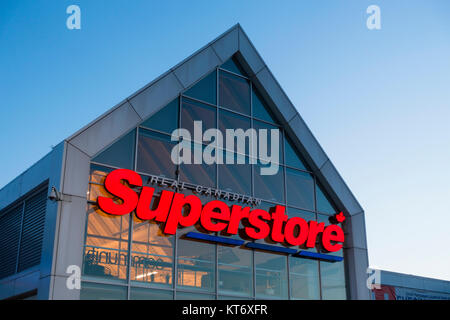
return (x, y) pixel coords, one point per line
(127, 114)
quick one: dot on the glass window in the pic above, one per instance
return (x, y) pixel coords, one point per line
(194, 296)
(260, 109)
(195, 111)
(233, 298)
(300, 189)
(237, 177)
(292, 158)
(106, 247)
(234, 93)
(271, 275)
(235, 270)
(154, 154)
(165, 120)
(275, 155)
(119, 154)
(152, 254)
(230, 120)
(333, 280)
(202, 174)
(233, 66)
(323, 204)
(205, 89)
(98, 291)
(96, 182)
(150, 294)
(269, 187)
(307, 216)
(196, 262)
(270, 208)
(304, 278)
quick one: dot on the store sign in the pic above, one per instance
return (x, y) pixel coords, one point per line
(216, 215)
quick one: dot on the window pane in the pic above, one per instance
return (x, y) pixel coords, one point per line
(233, 298)
(233, 66)
(97, 291)
(121, 153)
(234, 93)
(154, 154)
(194, 296)
(230, 120)
(165, 120)
(150, 294)
(292, 158)
(196, 261)
(260, 110)
(237, 177)
(271, 275)
(152, 253)
(205, 89)
(235, 270)
(277, 155)
(304, 278)
(106, 248)
(333, 280)
(307, 216)
(202, 174)
(195, 111)
(300, 189)
(269, 187)
(323, 205)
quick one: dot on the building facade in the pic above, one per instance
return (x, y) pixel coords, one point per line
(225, 85)
(399, 286)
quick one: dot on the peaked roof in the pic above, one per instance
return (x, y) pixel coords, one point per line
(130, 112)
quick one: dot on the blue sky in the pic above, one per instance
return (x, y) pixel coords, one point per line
(378, 101)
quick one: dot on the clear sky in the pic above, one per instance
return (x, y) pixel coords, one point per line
(378, 101)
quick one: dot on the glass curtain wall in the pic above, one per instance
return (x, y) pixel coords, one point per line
(127, 258)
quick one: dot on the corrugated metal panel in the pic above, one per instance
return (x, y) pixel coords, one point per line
(10, 223)
(32, 231)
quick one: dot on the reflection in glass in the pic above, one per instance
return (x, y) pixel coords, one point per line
(323, 204)
(194, 296)
(233, 66)
(202, 174)
(277, 155)
(154, 154)
(271, 275)
(292, 157)
(105, 252)
(260, 110)
(120, 153)
(236, 177)
(152, 254)
(304, 278)
(165, 120)
(300, 189)
(230, 120)
(205, 89)
(307, 216)
(195, 111)
(234, 93)
(98, 291)
(235, 270)
(196, 262)
(137, 293)
(268, 187)
(333, 280)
